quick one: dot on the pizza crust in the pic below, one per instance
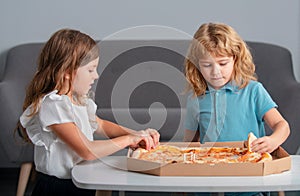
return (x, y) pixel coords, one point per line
(138, 152)
(266, 157)
(251, 138)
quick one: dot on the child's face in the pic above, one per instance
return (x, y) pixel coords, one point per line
(216, 70)
(85, 77)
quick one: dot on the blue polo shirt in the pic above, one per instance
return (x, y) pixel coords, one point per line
(229, 114)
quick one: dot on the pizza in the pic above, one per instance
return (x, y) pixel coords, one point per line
(202, 155)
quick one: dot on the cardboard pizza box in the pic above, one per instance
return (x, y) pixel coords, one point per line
(281, 162)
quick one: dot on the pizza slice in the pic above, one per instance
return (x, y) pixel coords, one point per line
(251, 138)
(160, 154)
(251, 156)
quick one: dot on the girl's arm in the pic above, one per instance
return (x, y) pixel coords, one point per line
(281, 131)
(112, 130)
(191, 136)
(90, 150)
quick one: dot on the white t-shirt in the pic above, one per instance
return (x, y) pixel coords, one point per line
(51, 155)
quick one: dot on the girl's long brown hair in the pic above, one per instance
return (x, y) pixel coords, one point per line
(63, 53)
(218, 39)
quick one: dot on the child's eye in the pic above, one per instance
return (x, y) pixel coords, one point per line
(206, 65)
(223, 64)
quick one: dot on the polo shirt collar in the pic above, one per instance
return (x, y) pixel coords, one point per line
(230, 87)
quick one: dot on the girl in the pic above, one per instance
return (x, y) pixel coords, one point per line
(227, 102)
(60, 119)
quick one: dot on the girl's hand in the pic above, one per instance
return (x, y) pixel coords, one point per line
(145, 139)
(264, 144)
(155, 136)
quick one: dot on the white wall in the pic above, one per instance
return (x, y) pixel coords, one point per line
(274, 21)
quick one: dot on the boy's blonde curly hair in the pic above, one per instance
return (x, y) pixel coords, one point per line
(218, 40)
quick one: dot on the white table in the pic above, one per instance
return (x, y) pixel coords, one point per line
(110, 173)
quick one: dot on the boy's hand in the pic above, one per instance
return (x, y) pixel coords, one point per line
(264, 144)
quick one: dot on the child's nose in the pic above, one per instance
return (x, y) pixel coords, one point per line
(96, 75)
(216, 69)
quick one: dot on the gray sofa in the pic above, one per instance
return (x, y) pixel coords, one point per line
(141, 85)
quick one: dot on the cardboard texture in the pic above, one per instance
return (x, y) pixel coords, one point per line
(281, 162)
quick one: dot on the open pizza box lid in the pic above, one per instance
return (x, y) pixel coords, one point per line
(281, 162)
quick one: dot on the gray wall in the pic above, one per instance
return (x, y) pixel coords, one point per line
(273, 21)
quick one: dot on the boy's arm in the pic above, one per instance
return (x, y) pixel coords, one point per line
(281, 131)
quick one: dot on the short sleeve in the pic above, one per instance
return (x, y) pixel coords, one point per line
(263, 101)
(192, 113)
(56, 109)
(53, 109)
(33, 128)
